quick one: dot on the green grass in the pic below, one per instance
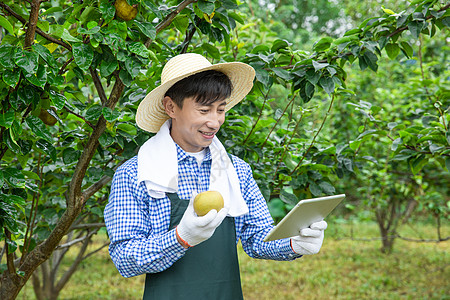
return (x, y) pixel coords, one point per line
(345, 268)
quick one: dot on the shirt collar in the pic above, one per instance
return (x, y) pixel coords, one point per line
(182, 155)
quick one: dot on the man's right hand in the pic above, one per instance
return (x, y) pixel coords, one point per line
(193, 229)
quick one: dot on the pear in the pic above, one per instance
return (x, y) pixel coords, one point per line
(125, 11)
(206, 201)
(47, 118)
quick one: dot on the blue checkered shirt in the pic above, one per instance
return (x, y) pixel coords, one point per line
(138, 224)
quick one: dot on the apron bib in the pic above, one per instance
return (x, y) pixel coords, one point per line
(207, 271)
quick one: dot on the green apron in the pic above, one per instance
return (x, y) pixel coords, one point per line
(208, 271)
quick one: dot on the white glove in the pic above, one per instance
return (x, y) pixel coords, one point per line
(194, 229)
(310, 239)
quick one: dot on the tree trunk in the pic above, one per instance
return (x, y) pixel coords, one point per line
(387, 240)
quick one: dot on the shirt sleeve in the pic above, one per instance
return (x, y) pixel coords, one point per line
(137, 248)
(258, 222)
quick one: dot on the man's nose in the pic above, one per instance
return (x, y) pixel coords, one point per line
(215, 120)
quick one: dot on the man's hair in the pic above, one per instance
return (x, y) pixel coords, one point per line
(206, 87)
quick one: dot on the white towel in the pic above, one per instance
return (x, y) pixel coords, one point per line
(158, 168)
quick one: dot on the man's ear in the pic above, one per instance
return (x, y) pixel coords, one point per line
(169, 106)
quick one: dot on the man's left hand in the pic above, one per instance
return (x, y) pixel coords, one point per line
(310, 239)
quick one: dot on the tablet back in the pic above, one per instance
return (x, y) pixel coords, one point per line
(302, 215)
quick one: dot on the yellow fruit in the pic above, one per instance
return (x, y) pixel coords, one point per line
(125, 11)
(206, 201)
(47, 118)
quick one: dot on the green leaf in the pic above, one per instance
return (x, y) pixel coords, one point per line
(138, 48)
(46, 148)
(106, 140)
(70, 155)
(262, 76)
(11, 77)
(407, 49)
(128, 128)
(327, 188)
(323, 44)
(315, 189)
(371, 60)
(206, 6)
(313, 76)
(318, 66)
(212, 51)
(279, 44)
(8, 137)
(83, 55)
(282, 73)
(107, 10)
(45, 54)
(418, 163)
(6, 119)
(353, 32)
(51, 10)
(110, 115)
(107, 67)
(132, 65)
(125, 77)
(392, 50)
(58, 100)
(447, 163)
(14, 177)
(38, 127)
(181, 22)
(88, 31)
(7, 54)
(5, 24)
(327, 84)
(31, 175)
(68, 37)
(146, 28)
(94, 112)
(38, 79)
(344, 39)
(415, 27)
(27, 61)
(288, 198)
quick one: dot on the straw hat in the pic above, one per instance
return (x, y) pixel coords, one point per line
(151, 115)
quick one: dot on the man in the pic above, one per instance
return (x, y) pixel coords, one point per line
(150, 217)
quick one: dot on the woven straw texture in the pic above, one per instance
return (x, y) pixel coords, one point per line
(150, 114)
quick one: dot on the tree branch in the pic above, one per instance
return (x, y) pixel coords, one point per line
(32, 23)
(189, 36)
(315, 136)
(278, 121)
(98, 85)
(95, 251)
(259, 116)
(66, 276)
(169, 18)
(79, 116)
(38, 31)
(9, 256)
(75, 241)
(99, 184)
(63, 67)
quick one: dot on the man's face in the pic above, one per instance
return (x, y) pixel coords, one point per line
(195, 125)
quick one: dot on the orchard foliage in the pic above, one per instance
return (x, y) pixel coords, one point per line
(72, 75)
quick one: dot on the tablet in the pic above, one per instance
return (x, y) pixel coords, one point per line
(303, 215)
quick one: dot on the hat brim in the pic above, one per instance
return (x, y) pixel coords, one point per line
(151, 115)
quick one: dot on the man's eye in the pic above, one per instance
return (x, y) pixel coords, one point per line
(203, 111)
